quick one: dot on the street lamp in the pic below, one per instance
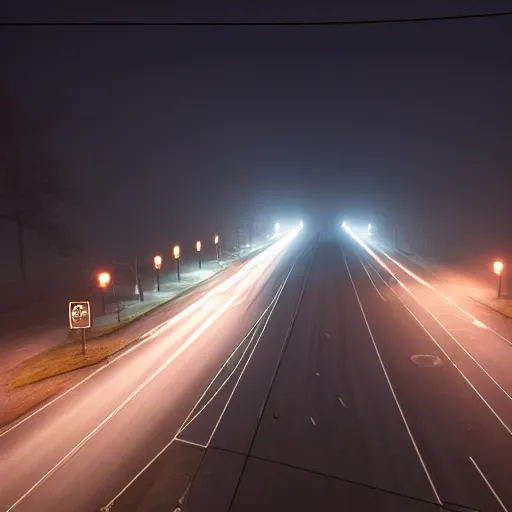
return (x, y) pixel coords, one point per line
(104, 281)
(498, 270)
(277, 227)
(157, 263)
(216, 240)
(301, 224)
(176, 254)
(198, 249)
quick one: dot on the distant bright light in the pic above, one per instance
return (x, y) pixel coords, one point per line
(157, 261)
(301, 224)
(176, 251)
(198, 246)
(277, 226)
(104, 279)
(343, 224)
(369, 230)
(216, 239)
(498, 267)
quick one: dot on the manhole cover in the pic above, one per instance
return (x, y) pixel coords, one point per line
(426, 360)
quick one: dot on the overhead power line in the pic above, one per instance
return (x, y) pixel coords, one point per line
(383, 21)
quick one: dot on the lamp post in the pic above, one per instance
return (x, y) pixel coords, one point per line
(104, 279)
(198, 249)
(157, 263)
(216, 240)
(176, 254)
(498, 270)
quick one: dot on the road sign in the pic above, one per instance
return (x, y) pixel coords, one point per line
(79, 315)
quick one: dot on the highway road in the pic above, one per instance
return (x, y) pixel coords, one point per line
(323, 375)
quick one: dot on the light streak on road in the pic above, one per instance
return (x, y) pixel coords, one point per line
(208, 323)
(392, 390)
(268, 256)
(413, 295)
(191, 416)
(475, 321)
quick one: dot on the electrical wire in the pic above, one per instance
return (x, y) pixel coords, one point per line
(380, 21)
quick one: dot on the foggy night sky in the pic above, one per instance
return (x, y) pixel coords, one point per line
(174, 133)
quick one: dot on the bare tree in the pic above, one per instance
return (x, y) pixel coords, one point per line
(32, 190)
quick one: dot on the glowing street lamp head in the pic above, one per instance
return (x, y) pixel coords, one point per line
(343, 224)
(198, 246)
(301, 224)
(498, 267)
(176, 251)
(216, 239)
(157, 262)
(104, 279)
(277, 226)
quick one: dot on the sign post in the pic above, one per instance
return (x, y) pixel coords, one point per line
(80, 318)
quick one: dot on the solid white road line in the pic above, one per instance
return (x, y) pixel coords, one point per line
(420, 458)
(495, 494)
(312, 421)
(505, 426)
(143, 339)
(211, 320)
(185, 441)
(252, 330)
(342, 402)
(474, 320)
(189, 442)
(371, 280)
(188, 421)
(109, 505)
(244, 368)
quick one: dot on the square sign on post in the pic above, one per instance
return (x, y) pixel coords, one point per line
(79, 315)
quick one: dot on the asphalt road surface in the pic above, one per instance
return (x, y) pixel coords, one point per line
(322, 376)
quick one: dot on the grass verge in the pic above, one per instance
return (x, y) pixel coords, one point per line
(63, 359)
(51, 372)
